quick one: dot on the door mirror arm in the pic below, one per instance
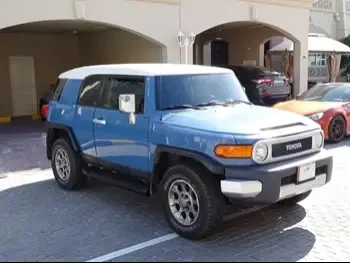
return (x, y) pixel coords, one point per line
(127, 104)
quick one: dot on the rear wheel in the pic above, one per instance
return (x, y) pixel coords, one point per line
(66, 165)
(337, 129)
(193, 204)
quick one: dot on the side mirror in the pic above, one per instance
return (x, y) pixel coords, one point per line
(127, 104)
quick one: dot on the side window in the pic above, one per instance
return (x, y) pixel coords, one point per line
(56, 95)
(117, 86)
(90, 92)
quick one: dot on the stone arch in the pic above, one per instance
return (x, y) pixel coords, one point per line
(124, 17)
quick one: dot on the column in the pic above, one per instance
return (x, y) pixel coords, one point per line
(300, 76)
(340, 8)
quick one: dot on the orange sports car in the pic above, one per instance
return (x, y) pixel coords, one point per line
(327, 104)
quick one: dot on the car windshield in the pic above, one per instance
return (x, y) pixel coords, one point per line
(186, 91)
(328, 93)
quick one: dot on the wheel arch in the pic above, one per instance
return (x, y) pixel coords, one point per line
(166, 156)
(55, 131)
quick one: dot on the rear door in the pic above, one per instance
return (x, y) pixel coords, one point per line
(89, 99)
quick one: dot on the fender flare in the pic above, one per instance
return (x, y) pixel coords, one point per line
(50, 130)
(212, 165)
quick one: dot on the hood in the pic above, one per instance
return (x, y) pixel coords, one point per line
(236, 119)
(306, 107)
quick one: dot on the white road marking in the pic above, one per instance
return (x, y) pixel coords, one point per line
(134, 248)
(158, 240)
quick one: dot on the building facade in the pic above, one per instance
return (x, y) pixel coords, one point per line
(39, 39)
(328, 17)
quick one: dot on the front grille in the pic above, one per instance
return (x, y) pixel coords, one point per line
(292, 179)
(291, 147)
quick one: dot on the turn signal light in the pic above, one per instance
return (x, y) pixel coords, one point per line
(234, 151)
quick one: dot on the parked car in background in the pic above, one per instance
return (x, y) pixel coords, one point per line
(263, 87)
(328, 104)
(44, 101)
(186, 131)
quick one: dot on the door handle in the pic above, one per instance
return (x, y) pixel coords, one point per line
(99, 121)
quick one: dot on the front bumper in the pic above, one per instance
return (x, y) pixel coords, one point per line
(264, 184)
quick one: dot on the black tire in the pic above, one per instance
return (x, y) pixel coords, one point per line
(295, 199)
(76, 177)
(338, 122)
(210, 199)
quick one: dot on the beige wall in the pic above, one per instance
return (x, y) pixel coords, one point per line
(52, 55)
(117, 46)
(240, 48)
(56, 54)
(160, 20)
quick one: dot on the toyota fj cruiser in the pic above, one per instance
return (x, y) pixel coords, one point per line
(188, 132)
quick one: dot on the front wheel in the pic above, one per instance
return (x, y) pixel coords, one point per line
(337, 129)
(193, 204)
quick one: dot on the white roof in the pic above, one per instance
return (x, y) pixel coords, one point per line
(141, 70)
(317, 43)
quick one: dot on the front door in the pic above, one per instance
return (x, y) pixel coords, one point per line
(219, 53)
(22, 86)
(119, 144)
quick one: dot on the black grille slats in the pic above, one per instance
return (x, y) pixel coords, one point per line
(291, 147)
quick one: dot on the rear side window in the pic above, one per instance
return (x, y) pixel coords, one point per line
(90, 92)
(56, 95)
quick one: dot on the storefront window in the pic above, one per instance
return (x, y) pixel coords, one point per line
(317, 60)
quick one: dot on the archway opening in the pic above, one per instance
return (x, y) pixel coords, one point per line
(234, 43)
(245, 45)
(34, 54)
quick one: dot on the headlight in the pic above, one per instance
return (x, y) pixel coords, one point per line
(316, 116)
(319, 140)
(260, 152)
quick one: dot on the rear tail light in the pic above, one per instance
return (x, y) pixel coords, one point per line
(263, 81)
(45, 110)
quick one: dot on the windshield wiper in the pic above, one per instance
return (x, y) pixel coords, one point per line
(238, 101)
(182, 106)
(211, 103)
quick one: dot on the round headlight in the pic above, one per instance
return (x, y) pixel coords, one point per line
(319, 140)
(260, 152)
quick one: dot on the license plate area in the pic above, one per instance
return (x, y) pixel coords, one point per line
(278, 83)
(306, 172)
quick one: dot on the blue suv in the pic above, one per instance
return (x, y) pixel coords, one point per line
(187, 132)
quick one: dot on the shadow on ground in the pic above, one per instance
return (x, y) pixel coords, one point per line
(22, 147)
(40, 221)
(343, 144)
(266, 235)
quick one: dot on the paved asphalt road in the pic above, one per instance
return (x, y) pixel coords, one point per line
(41, 222)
